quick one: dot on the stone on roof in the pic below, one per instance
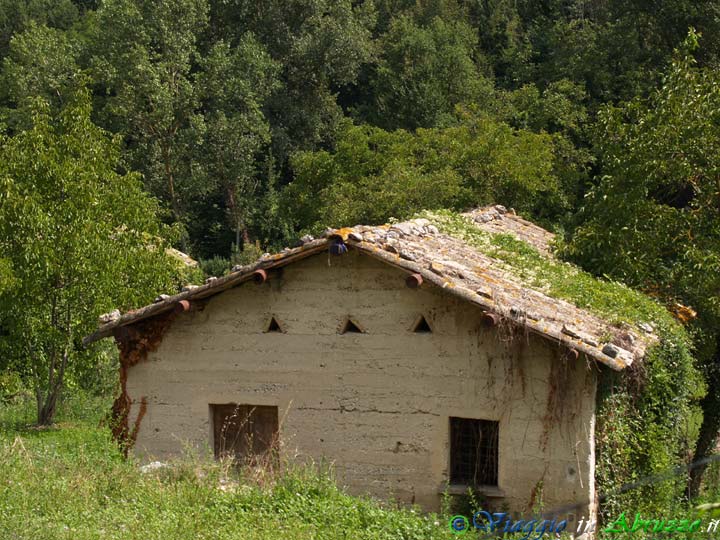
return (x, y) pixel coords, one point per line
(497, 219)
(417, 247)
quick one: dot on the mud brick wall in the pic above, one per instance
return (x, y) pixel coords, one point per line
(376, 404)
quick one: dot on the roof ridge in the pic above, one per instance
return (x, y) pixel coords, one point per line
(497, 219)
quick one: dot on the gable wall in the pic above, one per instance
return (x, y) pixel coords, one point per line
(377, 404)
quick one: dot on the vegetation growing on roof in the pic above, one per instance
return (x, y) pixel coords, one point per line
(610, 300)
(647, 415)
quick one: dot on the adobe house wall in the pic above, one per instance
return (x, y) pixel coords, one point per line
(377, 404)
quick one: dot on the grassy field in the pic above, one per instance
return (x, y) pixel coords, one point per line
(70, 482)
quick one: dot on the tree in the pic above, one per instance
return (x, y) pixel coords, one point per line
(320, 46)
(78, 238)
(17, 15)
(190, 111)
(615, 49)
(374, 175)
(559, 110)
(41, 62)
(424, 72)
(144, 57)
(653, 220)
(233, 84)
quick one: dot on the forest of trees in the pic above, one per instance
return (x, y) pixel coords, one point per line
(232, 127)
(236, 113)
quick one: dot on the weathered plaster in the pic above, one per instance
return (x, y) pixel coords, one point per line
(376, 404)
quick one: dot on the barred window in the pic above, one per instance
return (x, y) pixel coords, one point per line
(473, 452)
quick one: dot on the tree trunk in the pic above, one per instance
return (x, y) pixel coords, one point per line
(174, 201)
(46, 412)
(707, 439)
(47, 406)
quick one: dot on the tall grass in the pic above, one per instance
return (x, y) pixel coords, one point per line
(71, 482)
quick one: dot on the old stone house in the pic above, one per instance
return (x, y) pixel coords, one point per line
(401, 355)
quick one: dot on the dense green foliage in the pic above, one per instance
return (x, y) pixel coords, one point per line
(424, 71)
(654, 217)
(653, 220)
(251, 123)
(213, 97)
(646, 424)
(375, 174)
(191, 116)
(77, 238)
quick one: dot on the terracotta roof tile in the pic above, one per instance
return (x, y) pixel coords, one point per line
(417, 246)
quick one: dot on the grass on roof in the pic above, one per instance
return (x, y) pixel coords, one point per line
(610, 300)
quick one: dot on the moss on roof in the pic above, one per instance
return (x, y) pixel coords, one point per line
(610, 300)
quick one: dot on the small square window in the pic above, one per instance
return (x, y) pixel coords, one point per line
(473, 452)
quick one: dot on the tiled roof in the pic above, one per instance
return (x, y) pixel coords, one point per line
(417, 247)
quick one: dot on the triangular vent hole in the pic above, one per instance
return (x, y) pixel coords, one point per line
(422, 326)
(273, 326)
(350, 327)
